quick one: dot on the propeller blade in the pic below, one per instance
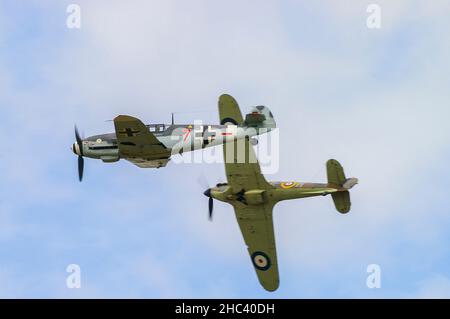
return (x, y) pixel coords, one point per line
(79, 140)
(80, 167)
(207, 193)
(79, 147)
(211, 206)
(77, 136)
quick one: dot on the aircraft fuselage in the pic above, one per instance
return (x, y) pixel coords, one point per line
(280, 191)
(177, 138)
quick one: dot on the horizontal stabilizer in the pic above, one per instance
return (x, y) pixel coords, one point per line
(342, 201)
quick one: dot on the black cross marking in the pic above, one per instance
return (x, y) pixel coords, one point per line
(208, 136)
(129, 132)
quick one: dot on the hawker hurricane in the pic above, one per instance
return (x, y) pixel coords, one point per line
(253, 198)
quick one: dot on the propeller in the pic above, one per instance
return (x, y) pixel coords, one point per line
(203, 182)
(80, 168)
(207, 193)
(78, 150)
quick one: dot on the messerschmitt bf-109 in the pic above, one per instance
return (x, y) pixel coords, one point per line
(253, 198)
(151, 146)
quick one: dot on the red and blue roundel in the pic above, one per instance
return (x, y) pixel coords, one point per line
(261, 261)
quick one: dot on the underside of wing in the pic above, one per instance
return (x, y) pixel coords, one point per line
(241, 165)
(256, 224)
(148, 163)
(136, 143)
(229, 111)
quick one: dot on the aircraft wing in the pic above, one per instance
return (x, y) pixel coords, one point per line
(229, 111)
(243, 170)
(255, 221)
(137, 144)
(146, 163)
(256, 224)
(241, 165)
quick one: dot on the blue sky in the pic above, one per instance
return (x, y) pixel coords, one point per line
(375, 99)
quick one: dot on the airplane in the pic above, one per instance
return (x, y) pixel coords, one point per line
(151, 146)
(253, 198)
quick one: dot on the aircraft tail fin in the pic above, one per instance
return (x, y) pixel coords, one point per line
(335, 173)
(336, 177)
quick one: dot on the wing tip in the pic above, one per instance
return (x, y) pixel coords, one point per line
(270, 286)
(124, 118)
(227, 98)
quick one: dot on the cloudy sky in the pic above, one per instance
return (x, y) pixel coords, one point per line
(375, 99)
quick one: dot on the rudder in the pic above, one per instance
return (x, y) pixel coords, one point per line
(335, 173)
(336, 178)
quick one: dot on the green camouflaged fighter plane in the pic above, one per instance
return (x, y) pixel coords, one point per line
(253, 198)
(151, 146)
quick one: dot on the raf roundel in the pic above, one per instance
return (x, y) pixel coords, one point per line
(288, 185)
(261, 261)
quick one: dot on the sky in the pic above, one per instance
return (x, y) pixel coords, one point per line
(375, 99)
